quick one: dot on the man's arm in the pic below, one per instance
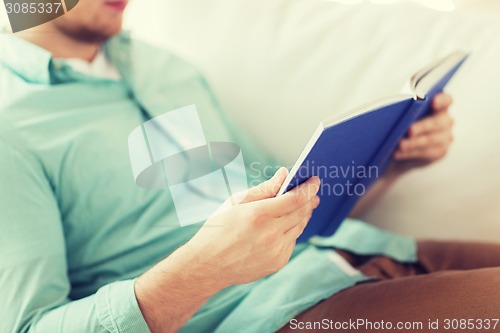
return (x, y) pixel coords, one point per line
(34, 280)
(427, 142)
(239, 244)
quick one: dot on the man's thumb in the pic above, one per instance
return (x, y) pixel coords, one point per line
(266, 190)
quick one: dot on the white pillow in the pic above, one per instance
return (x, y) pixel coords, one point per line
(281, 66)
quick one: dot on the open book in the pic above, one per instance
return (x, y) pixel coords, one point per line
(351, 151)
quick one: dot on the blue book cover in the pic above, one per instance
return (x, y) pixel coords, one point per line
(350, 152)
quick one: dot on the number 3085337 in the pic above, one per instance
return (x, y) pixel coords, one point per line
(34, 8)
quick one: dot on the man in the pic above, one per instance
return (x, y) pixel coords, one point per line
(85, 250)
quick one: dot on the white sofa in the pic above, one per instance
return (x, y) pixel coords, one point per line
(280, 66)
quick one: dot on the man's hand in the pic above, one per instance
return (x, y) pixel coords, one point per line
(255, 237)
(251, 236)
(428, 140)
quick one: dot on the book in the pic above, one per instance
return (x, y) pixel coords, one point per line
(351, 151)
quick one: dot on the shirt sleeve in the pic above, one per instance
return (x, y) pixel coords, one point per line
(33, 270)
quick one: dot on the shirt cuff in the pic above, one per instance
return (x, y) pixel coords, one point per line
(117, 308)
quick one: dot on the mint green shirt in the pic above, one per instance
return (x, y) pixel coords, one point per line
(75, 230)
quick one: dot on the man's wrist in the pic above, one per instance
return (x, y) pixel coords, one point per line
(198, 268)
(173, 290)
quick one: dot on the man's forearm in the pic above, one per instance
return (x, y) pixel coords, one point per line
(239, 244)
(173, 290)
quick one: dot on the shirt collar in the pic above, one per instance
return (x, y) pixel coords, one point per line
(27, 60)
(36, 65)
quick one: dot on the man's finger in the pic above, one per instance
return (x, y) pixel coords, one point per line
(299, 216)
(294, 232)
(430, 124)
(428, 154)
(441, 102)
(266, 190)
(440, 139)
(293, 200)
